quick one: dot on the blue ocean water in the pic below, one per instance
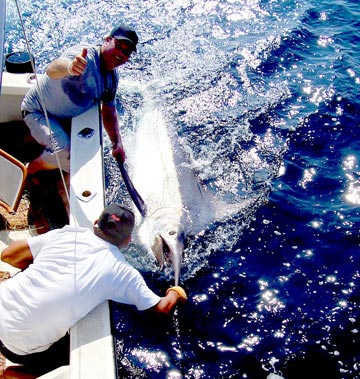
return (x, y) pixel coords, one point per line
(264, 98)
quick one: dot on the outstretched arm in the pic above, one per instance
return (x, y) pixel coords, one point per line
(111, 124)
(17, 254)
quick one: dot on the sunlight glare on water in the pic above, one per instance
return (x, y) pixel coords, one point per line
(351, 169)
(262, 97)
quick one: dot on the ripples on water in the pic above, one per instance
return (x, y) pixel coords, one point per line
(264, 99)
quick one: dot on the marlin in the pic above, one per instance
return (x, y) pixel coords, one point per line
(156, 176)
(177, 205)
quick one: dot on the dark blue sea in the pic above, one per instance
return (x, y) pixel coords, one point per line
(264, 99)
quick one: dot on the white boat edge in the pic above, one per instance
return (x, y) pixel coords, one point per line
(91, 348)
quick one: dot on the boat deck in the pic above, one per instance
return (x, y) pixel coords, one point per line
(91, 342)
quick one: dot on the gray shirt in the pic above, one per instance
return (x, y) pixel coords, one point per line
(73, 95)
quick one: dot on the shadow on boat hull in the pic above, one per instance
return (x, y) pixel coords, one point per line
(44, 191)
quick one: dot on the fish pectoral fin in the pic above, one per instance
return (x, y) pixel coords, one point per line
(158, 249)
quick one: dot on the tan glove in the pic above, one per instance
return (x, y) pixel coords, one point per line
(180, 291)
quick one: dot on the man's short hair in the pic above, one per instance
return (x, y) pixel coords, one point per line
(116, 222)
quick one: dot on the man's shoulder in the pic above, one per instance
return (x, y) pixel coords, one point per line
(69, 229)
(75, 229)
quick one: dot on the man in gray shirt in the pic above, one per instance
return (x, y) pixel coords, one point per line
(80, 78)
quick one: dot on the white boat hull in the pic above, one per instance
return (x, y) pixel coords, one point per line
(91, 346)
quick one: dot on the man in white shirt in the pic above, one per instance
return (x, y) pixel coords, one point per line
(66, 273)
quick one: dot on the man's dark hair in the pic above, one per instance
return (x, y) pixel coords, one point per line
(116, 222)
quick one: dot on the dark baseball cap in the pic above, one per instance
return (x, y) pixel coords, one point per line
(117, 223)
(122, 32)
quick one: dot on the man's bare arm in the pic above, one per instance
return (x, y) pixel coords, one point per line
(18, 254)
(111, 124)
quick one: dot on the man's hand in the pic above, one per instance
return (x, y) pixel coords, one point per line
(78, 64)
(60, 68)
(119, 153)
(182, 297)
(174, 295)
